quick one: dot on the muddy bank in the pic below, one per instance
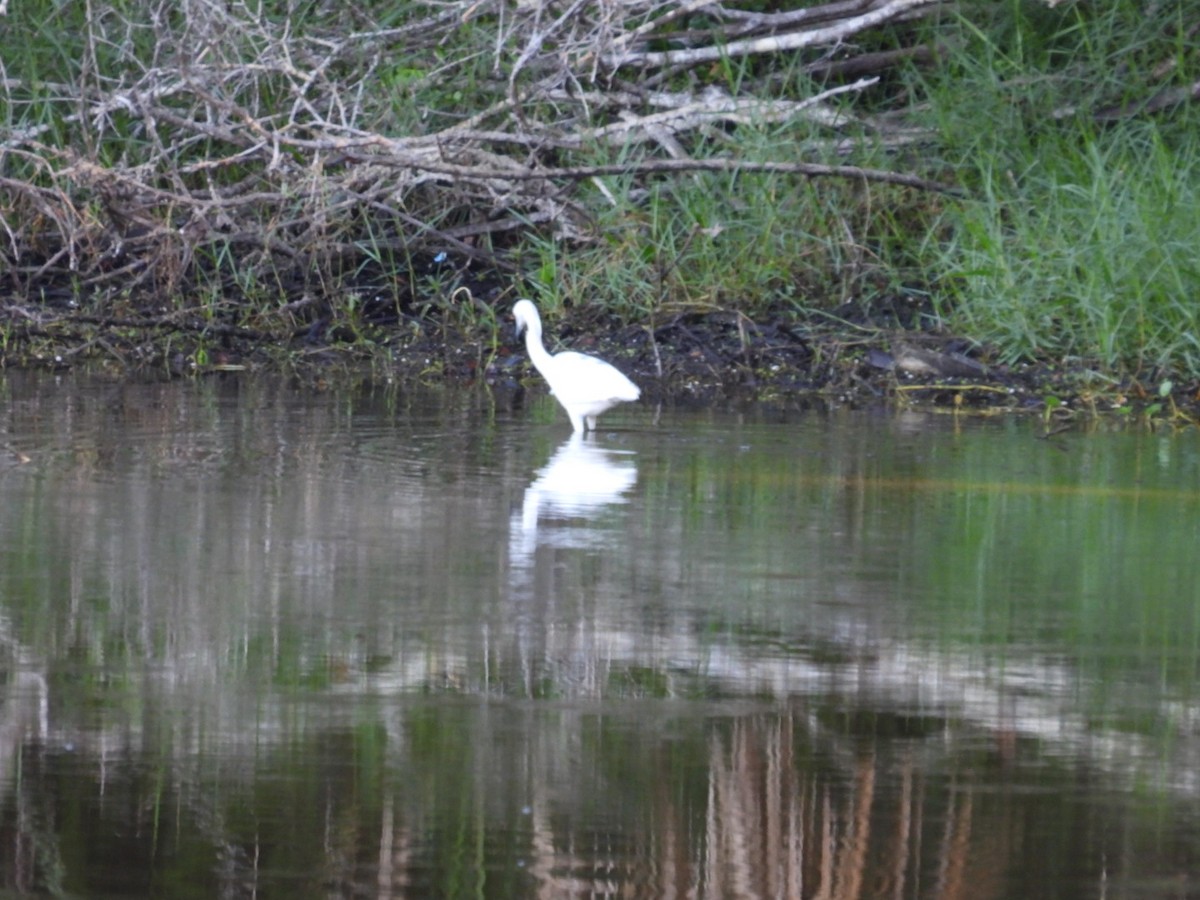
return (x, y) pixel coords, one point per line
(709, 357)
(852, 357)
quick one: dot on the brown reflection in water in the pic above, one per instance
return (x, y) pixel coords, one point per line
(395, 854)
(775, 829)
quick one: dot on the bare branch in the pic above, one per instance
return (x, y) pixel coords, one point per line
(661, 166)
(795, 40)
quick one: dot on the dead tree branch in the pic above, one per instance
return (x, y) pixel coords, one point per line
(244, 155)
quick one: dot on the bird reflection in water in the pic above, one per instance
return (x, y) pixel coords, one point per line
(579, 481)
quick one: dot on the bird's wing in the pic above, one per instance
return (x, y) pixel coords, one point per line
(580, 376)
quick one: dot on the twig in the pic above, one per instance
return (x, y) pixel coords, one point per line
(659, 166)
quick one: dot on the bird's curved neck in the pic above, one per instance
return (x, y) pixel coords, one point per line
(533, 343)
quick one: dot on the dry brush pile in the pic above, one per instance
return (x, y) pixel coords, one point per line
(213, 155)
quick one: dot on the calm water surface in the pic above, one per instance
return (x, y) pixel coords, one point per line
(260, 641)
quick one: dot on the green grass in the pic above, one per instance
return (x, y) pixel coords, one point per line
(1088, 253)
(1079, 238)
(754, 242)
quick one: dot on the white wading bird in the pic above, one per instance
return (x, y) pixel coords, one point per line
(584, 385)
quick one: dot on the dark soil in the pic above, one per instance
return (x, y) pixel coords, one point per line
(855, 356)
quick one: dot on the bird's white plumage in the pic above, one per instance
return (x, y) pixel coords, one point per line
(584, 385)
